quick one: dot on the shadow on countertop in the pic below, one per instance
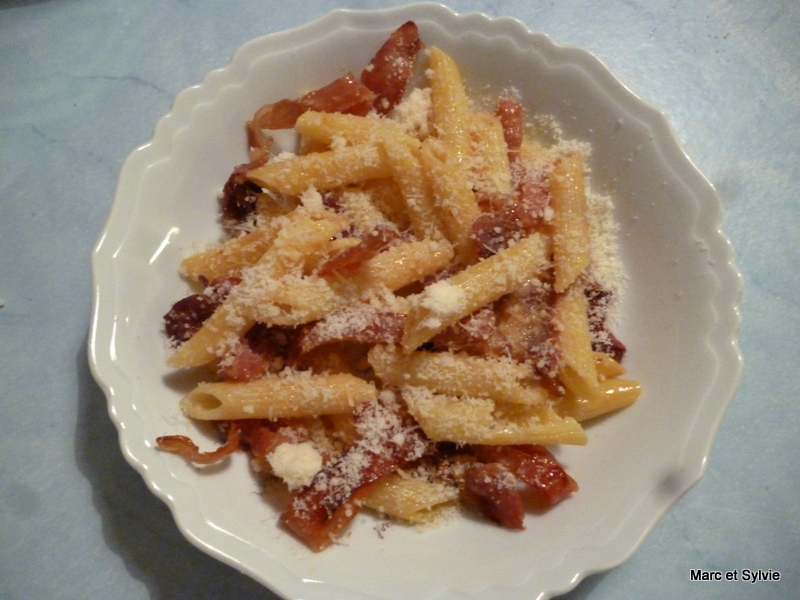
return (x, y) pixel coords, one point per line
(137, 526)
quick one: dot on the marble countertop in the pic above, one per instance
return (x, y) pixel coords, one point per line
(82, 84)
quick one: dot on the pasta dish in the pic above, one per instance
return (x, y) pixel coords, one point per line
(409, 307)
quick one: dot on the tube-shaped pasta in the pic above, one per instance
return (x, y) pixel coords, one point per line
(570, 224)
(323, 170)
(277, 397)
(455, 204)
(324, 128)
(446, 302)
(221, 331)
(449, 102)
(491, 172)
(617, 394)
(483, 421)
(408, 499)
(403, 156)
(578, 371)
(457, 374)
(231, 256)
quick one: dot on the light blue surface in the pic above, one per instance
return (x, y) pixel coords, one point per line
(82, 84)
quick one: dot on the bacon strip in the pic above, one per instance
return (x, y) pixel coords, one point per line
(319, 512)
(492, 488)
(343, 95)
(532, 193)
(183, 446)
(392, 66)
(534, 465)
(510, 114)
(188, 314)
(365, 328)
(377, 241)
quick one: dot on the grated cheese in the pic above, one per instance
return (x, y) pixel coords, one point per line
(296, 464)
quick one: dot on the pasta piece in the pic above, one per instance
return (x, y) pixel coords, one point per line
(409, 499)
(258, 297)
(398, 266)
(570, 224)
(578, 370)
(294, 300)
(388, 198)
(327, 128)
(403, 156)
(455, 204)
(229, 257)
(217, 335)
(490, 168)
(323, 170)
(304, 234)
(617, 394)
(607, 367)
(450, 104)
(483, 421)
(278, 397)
(442, 304)
(457, 374)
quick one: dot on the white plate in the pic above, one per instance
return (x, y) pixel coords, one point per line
(680, 319)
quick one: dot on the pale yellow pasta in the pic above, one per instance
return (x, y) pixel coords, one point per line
(409, 499)
(278, 397)
(457, 374)
(578, 371)
(330, 128)
(231, 256)
(397, 266)
(388, 198)
(607, 367)
(287, 300)
(454, 201)
(294, 300)
(303, 236)
(570, 224)
(451, 112)
(403, 156)
(219, 333)
(444, 303)
(483, 421)
(364, 215)
(300, 232)
(489, 166)
(323, 170)
(617, 394)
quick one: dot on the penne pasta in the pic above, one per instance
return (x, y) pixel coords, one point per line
(446, 302)
(616, 394)
(570, 225)
(490, 170)
(323, 170)
(578, 369)
(410, 499)
(482, 421)
(278, 397)
(231, 256)
(453, 199)
(457, 374)
(451, 113)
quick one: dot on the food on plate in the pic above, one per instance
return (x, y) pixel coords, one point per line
(408, 307)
